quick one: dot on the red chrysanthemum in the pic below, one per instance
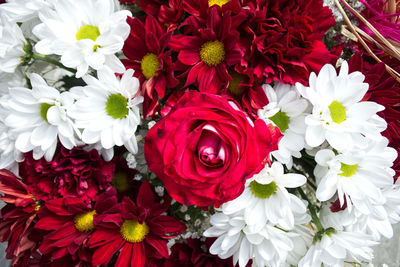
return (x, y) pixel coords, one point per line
(244, 88)
(168, 13)
(70, 222)
(282, 39)
(201, 7)
(384, 90)
(17, 219)
(137, 230)
(145, 49)
(208, 48)
(73, 172)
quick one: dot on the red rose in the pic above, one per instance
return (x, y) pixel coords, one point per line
(206, 147)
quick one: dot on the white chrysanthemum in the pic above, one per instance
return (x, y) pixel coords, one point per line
(392, 204)
(12, 44)
(338, 116)
(85, 33)
(23, 10)
(376, 224)
(287, 110)
(9, 156)
(107, 109)
(38, 117)
(302, 239)
(268, 247)
(356, 176)
(334, 248)
(265, 198)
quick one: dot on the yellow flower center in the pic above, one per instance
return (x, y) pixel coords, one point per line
(84, 221)
(88, 32)
(234, 87)
(120, 181)
(149, 65)
(37, 207)
(348, 170)
(133, 231)
(217, 2)
(212, 53)
(338, 112)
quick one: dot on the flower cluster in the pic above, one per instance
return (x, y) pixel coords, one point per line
(194, 133)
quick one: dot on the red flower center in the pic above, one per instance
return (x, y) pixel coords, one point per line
(212, 53)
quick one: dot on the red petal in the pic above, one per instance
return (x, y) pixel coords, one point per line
(189, 57)
(125, 256)
(159, 244)
(145, 196)
(139, 256)
(103, 254)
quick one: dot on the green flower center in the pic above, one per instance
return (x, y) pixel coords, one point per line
(88, 32)
(263, 190)
(212, 53)
(116, 106)
(120, 181)
(84, 221)
(44, 107)
(338, 112)
(348, 170)
(281, 120)
(149, 65)
(234, 87)
(318, 236)
(133, 231)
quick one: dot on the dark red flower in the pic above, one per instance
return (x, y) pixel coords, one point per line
(137, 230)
(73, 172)
(206, 147)
(17, 218)
(194, 253)
(145, 50)
(70, 222)
(207, 48)
(384, 90)
(282, 39)
(201, 7)
(168, 13)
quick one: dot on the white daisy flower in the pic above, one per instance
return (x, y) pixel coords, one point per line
(107, 109)
(265, 198)
(268, 247)
(9, 156)
(334, 248)
(392, 204)
(12, 44)
(22, 10)
(38, 117)
(356, 176)
(338, 116)
(376, 224)
(85, 33)
(302, 238)
(286, 109)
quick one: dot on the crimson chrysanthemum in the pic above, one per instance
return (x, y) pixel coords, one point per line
(73, 172)
(145, 50)
(137, 230)
(207, 48)
(282, 39)
(69, 222)
(17, 218)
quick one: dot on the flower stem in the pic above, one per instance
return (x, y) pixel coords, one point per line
(312, 210)
(50, 60)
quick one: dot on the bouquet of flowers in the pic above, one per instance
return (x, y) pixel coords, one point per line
(198, 132)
